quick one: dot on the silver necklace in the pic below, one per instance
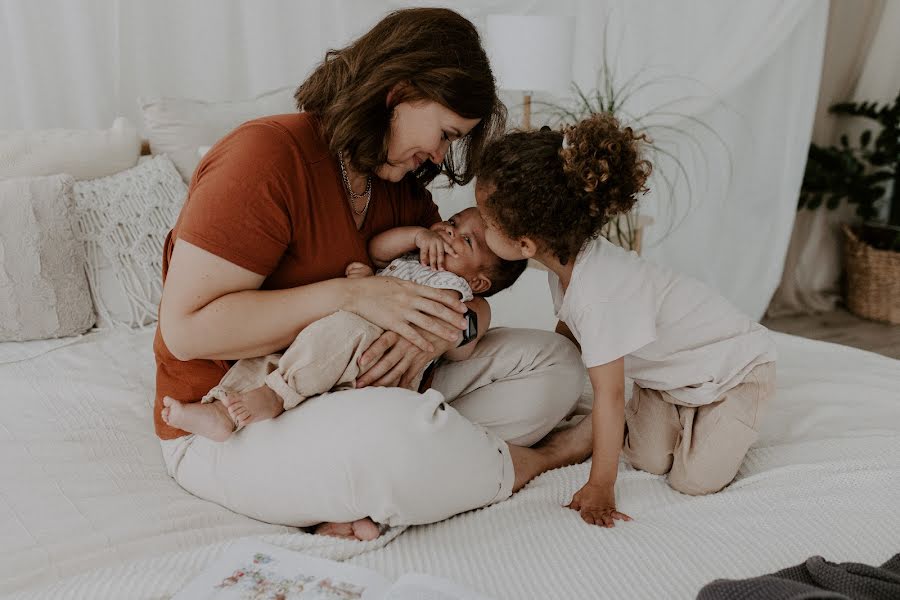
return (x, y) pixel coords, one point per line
(367, 194)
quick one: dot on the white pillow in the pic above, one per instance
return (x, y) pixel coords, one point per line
(123, 221)
(81, 153)
(179, 127)
(43, 289)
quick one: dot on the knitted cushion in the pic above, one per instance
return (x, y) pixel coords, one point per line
(43, 289)
(123, 221)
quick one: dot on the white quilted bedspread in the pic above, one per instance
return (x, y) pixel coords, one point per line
(87, 510)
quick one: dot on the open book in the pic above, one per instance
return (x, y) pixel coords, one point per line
(252, 570)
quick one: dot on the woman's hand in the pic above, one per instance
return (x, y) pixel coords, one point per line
(432, 248)
(597, 504)
(410, 309)
(392, 361)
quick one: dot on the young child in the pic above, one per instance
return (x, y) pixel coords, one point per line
(324, 356)
(703, 372)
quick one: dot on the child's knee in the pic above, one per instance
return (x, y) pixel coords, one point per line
(696, 484)
(658, 462)
(713, 463)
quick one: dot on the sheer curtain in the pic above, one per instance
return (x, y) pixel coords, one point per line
(861, 63)
(748, 69)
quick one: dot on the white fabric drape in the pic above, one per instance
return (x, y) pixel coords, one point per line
(753, 68)
(862, 62)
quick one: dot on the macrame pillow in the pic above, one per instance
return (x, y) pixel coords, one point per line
(43, 290)
(123, 221)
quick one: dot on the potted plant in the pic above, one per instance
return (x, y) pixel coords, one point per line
(660, 125)
(865, 175)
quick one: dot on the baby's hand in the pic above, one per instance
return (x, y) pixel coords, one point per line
(357, 269)
(597, 505)
(432, 248)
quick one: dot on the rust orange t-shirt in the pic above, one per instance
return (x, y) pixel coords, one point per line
(269, 197)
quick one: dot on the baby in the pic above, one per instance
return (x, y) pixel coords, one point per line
(324, 356)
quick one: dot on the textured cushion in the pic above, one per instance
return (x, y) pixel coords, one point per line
(123, 221)
(83, 154)
(179, 127)
(43, 289)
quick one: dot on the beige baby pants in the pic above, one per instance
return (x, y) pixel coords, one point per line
(700, 447)
(323, 357)
(395, 455)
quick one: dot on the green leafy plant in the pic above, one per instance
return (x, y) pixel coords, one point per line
(663, 126)
(859, 174)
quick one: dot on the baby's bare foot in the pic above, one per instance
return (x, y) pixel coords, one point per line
(256, 405)
(209, 420)
(363, 530)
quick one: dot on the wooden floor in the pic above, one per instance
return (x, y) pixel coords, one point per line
(842, 327)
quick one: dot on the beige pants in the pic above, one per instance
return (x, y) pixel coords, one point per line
(397, 456)
(700, 447)
(323, 357)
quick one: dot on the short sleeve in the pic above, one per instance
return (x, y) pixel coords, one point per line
(428, 210)
(410, 269)
(612, 329)
(237, 206)
(444, 280)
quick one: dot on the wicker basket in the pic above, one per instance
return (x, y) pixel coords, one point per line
(873, 279)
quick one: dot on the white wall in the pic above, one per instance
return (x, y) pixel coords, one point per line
(750, 69)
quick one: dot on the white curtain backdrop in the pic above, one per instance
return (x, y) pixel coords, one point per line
(748, 69)
(862, 63)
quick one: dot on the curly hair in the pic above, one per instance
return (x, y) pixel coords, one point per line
(437, 54)
(561, 195)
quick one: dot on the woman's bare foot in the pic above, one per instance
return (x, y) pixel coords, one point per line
(559, 449)
(256, 405)
(209, 420)
(570, 446)
(363, 530)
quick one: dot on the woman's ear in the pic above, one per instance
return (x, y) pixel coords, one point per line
(479, 284)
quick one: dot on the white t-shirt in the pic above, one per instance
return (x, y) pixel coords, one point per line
(676, 334)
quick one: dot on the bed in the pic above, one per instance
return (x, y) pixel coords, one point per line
(88, 511)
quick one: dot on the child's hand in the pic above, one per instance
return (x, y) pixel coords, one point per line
(432, 248)
(597, 505)
(356, 269)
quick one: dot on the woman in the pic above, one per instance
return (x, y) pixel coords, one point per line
(275, 213)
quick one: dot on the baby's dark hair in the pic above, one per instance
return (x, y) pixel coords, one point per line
(503, 274)
(562, 197)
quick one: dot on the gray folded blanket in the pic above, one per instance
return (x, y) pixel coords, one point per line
(816, 578)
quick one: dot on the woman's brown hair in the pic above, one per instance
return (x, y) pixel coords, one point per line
(561, 196)
(438, 54)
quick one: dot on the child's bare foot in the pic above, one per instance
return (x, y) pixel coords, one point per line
(256, 405)
(209, 420)
(363, 530)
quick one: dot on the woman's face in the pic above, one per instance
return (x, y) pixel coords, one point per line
(421, 130)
